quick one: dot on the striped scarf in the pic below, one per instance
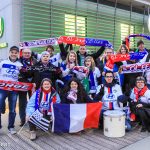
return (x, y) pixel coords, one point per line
(92, 81)
(43, 101)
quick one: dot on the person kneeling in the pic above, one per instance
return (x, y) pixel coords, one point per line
(41, 100)
(108, 93)
(140, 103)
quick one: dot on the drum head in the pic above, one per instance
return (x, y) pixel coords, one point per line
(114, 113)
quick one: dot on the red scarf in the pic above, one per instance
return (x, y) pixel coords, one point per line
(46, 91)
(139, 93)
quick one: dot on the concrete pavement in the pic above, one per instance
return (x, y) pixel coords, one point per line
(140, 145)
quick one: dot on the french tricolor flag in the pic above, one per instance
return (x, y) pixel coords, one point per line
(72, 118)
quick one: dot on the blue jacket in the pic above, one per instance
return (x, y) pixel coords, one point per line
(31, 105)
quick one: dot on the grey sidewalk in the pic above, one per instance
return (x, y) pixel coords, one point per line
(140, 145)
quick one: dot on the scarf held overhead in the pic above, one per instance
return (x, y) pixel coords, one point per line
(84, 41)
(123, 57)
(38, 43)
(135, 35)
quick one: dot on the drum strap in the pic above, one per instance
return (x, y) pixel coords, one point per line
(110, 103)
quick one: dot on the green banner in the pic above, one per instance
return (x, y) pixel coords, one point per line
(1, 26)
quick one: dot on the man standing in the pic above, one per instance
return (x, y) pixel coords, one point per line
(141, 48)
(9, 71)
(27, 60)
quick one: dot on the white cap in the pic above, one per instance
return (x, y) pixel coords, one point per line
(44, 53)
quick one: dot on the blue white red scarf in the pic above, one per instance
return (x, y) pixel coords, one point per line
(92, 81)
(43, 102)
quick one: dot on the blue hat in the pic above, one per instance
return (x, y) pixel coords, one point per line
(122, 98)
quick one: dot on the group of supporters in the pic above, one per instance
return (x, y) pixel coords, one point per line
(59, 78)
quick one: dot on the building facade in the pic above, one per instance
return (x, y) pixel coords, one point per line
(37, 19)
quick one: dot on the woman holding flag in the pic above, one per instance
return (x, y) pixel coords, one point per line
(41, 100)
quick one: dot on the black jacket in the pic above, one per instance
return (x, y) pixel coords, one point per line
(65, 52)
(94, 55)
(39, 72)
(25, 76)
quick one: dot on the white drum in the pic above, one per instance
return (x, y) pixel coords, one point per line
(114, 123)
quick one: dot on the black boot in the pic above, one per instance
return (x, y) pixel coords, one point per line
(143, 129)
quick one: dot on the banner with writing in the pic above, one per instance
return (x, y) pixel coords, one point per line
(134, 68)
(123, 57)
(84, 41)
(15, 86)
(40, 68)
(38, 43)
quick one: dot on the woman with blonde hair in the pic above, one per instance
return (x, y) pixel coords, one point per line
(67, 66)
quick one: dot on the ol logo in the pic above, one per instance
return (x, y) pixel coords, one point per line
(1, 26)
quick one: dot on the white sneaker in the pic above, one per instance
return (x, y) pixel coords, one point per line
(12, 131)
(32, 135)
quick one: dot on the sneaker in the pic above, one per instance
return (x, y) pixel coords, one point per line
(22, 123)
(32, 135)
(12, 131)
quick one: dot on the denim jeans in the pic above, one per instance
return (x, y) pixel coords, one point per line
(23, 104)
(12, 99)
(128, 125)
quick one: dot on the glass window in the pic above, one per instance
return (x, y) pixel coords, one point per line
(75, 25)
(127, 30)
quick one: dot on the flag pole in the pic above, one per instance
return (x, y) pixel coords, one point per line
(21, 128)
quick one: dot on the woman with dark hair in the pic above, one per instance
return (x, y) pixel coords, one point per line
(140, 102)
(74, 93)
(41, 100)
(123, 49)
